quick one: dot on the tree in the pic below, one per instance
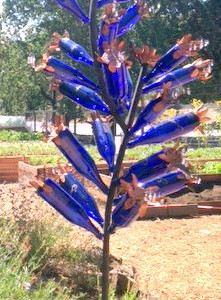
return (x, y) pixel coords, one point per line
(198, 17)
(28, 24)
(22, 94)
(17, 92)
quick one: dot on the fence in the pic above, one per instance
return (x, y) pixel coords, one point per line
(40, 120)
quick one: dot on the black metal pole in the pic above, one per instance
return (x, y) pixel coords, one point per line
(108, 210)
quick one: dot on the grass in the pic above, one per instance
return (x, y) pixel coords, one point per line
(24, 252)
(36, 262)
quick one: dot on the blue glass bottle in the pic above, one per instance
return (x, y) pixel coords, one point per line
(117, 85)
(167, 130)
(73, 7)
(75, 51)
(155, 165)
(80, 159)
(181, 76)
(83, 96)
(115, 80)
(107, 35)
(153, 110)
(179, 53)
(76, 189)
(67, 206)
(123, 217)
(119, 198)
(167, 184)
(108, 28)
(104, 140)
(58, 69)
(120, 84)
(131, 17)
(70, 48)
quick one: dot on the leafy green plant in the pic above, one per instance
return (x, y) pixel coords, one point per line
(11, 135)
(44, 160)
(127, 296)
(26, 148)
(204, 153)
(208, 168)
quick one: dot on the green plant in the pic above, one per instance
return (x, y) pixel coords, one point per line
(208, 168)
(29, 255)
(23, 250)
(127, 296)
(204, 153)
(10, 135)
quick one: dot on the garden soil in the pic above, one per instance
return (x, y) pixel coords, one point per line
(174, 259)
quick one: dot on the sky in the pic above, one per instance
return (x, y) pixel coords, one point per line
(1, 5)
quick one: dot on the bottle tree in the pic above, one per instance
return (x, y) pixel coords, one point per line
(114, 96)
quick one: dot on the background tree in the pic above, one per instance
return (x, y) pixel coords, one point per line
(28, 24)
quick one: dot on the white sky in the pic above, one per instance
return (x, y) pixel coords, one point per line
(1, 5)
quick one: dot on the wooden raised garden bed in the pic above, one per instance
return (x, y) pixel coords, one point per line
(27, 172)
(9, 168)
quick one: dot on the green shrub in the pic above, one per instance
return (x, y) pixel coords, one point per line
(208, 168)
(12, 136)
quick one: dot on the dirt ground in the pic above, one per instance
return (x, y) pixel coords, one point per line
(175, 259)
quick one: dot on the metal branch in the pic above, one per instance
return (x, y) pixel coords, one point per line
(136, 96)
(98, 66)
(125, 127)
(106, 243)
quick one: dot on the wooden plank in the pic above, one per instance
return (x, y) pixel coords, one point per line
(10, 162)
(171, 210)
(9, 178)
(199, 161)
(210, 203)
(155, 212)
(9, 167)
(209, 210)
(15, 170)
(10, 159)
(209, 177)
(182, 210)
(8, 172)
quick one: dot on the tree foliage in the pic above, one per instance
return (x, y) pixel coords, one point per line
(27, 27)
(28, 24)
